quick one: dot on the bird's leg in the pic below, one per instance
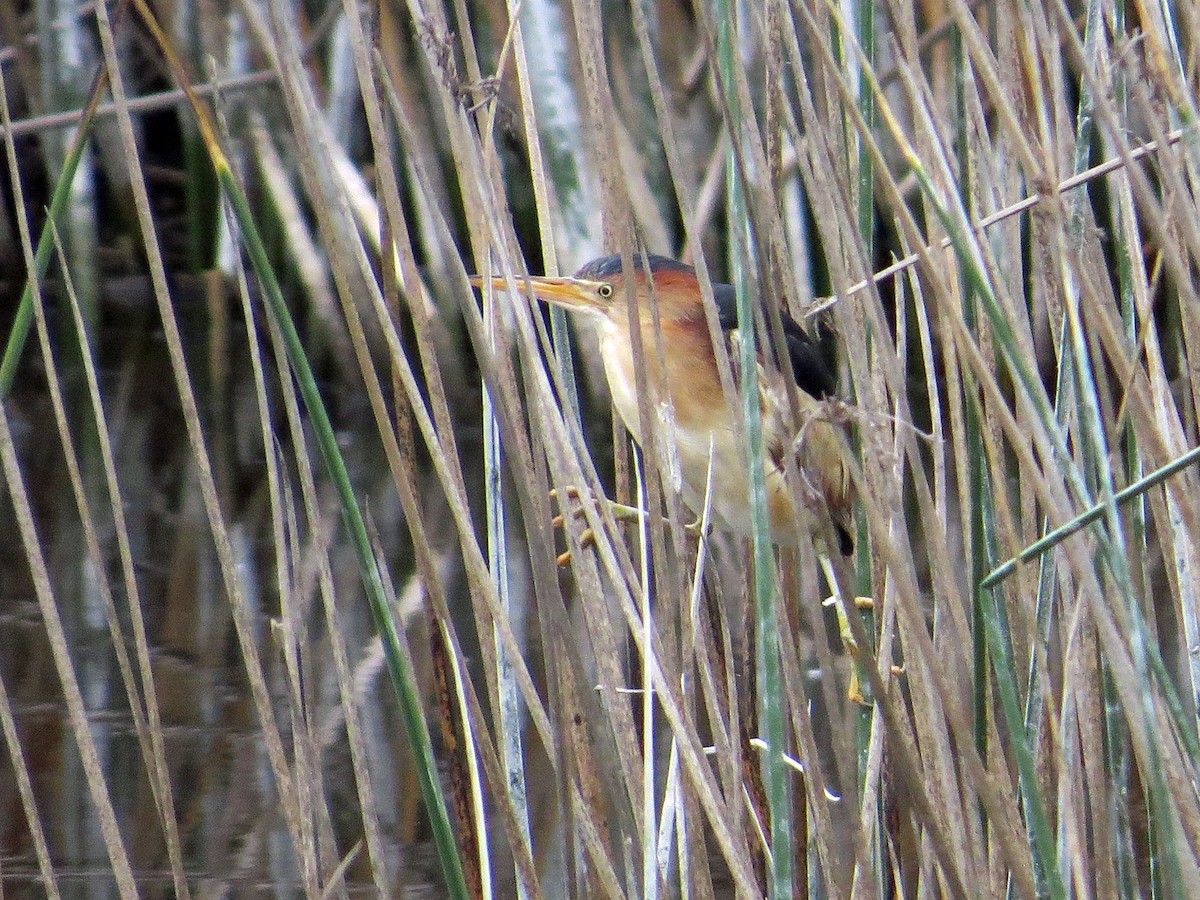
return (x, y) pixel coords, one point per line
(854, 692)
(620, 512)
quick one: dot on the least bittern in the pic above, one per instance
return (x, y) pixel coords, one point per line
(687, 374)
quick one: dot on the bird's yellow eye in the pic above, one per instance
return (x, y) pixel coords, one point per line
(605, 291)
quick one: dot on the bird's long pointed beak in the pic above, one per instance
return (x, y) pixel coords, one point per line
(571, 293)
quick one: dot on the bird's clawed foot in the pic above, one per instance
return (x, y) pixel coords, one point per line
(697, 528)
(854, 692)
(620, 512)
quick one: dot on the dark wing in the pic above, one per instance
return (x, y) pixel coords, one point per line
(813, 375)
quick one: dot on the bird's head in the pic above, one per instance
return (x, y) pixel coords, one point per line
(601, 288)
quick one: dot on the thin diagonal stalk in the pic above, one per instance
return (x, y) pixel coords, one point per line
(64, 667)
(45, 244)
(1081, 521)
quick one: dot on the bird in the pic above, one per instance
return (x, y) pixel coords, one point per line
(688, 375)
